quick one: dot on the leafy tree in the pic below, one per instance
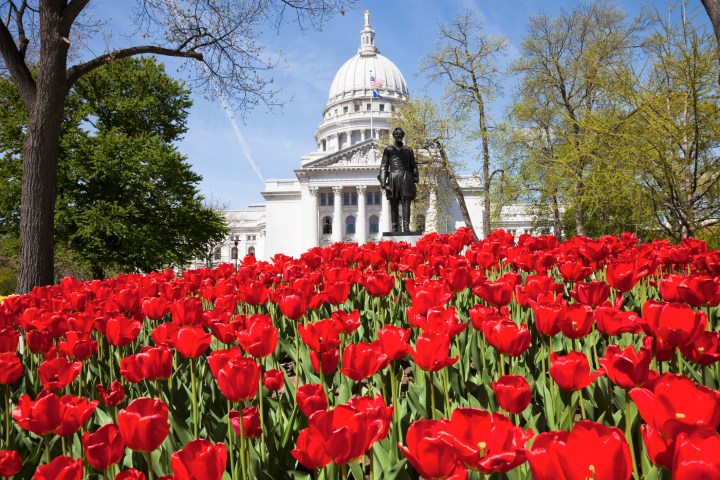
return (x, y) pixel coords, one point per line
(675, 128)
(126, 198)
(433, 135)
(218, 38)
(569, 69)
(467, 59)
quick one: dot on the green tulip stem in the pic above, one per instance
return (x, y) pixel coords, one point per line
(322, 376)
(344, 469)
(231, 452)
(148, 459)
(502, 364)
(396, 414)
(679, 361)
(243, 465)
(262, 428)
(432, 395)
(582, 405)
(298, 364)
(446, 374)
(64, 446)
(194, 398)
(6, 392)
(628, 434)
(47, 448)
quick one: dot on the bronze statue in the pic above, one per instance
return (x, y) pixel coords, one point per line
(398, 176)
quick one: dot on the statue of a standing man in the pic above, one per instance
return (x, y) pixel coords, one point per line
(398, 176)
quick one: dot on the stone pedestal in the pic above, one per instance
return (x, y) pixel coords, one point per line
(408, 237)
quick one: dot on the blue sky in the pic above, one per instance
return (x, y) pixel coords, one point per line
(275, 141)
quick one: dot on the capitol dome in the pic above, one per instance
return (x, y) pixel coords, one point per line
(365, 91)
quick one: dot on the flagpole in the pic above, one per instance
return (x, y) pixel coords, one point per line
(372, 96)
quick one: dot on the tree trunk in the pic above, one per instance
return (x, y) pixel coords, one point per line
(486, 171)
(557, 223)
(456, 189)
(712, 7)
(40, 152)
(579, 213)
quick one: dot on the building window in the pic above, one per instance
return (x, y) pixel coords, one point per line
(373, 198)
(350, 225)
(345, 109)
(327, 226)
(327, 199)
(368, 107)
(336, 112)
(357, 107)
(251, 238)
(251, 251)
(374, 224)
(217, 254)
(349, 198)
(382, 107)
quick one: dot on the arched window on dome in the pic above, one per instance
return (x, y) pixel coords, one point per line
(327, 226)
(323, 145)
(342, 141)
(350, 225)
(374, 224)
(355, 137)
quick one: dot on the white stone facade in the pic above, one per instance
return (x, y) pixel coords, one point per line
(335, 195)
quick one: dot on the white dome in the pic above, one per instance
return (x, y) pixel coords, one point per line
(353, 78)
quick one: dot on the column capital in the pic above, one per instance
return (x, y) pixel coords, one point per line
(337, 190)
(312, 190)
(361, 189)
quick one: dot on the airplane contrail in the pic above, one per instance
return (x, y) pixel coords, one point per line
(241, 139)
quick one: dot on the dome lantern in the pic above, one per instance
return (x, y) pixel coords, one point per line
(367, 39)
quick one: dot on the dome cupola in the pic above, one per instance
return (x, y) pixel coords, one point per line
(363, 93)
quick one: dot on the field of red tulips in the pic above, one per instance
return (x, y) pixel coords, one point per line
(528, 358)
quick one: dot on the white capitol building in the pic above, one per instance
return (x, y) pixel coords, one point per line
(335, 195)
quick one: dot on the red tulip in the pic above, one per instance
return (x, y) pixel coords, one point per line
(613, 321)
(187, 311)
(377, 283)
(512, 393)
(487, 442)
(696, 456)
(311, 398)
(155, 363)
(576, 320)
(547, 314)
(155, 308)
(659, 448)
(121, 330)
(320, 336)
(431, 294)
(130, 369)
(443, 320)
(104, 447)
(219, 358)
(130, 474)
(41, 416)
(10, 463)
(200, 459)
(626, 368)
(329, 359)
(572, 372)
(274, 379)
(498, 293)
(429, 452)
(76, 413)
(260, 337)
(675, 324)
(292, 303)
(591, 293)
(678, 406)
(11, 368)
(622, 276)
(695, 289)
(254, 293)
(144, 424)
(309, 450)
(362, 360)
(78, 345)
(431, 351)
(58, 373)
(393, 342)
(480, 314)
(60, 468)
(9, 339)
(507, 337)
(238, 380)
(348, 322)
(704, 349)
(590, 450)
(191, 342)
(574, 271)
(250, 420)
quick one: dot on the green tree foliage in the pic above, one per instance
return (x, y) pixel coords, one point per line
(467, 60)
(569, 67)
(126, 199)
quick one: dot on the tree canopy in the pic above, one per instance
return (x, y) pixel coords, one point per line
(126, 199)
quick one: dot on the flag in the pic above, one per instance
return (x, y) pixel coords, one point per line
(376, 83)
(376, 94)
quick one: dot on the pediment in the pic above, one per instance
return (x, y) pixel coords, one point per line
(361, 154)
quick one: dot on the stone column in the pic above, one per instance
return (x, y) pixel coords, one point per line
(361, 221)
(384, 213)
(337, 233)
(310, 218)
